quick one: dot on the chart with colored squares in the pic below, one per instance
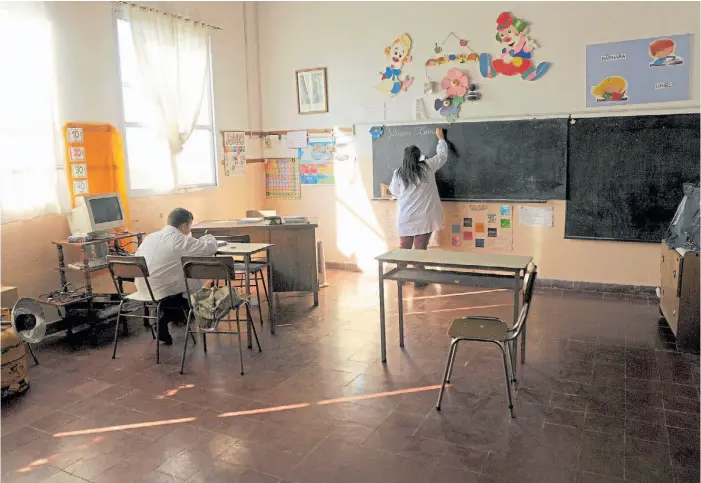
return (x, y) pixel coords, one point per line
(316, 163)
(282, 179)
(482, 226)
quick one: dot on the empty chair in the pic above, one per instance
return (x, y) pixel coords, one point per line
(494, 330)
(216, 268)
(126, 269)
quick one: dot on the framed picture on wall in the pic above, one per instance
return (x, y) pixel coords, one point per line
(311, 91)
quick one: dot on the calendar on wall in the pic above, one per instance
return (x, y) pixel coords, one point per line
(282, 179)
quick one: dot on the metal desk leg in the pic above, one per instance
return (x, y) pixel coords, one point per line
(523, 339)
(249, 315)
(517, 293)
(401, 313)
(383, 342)
(271, 296)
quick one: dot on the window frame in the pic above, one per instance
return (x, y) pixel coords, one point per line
(179, 188)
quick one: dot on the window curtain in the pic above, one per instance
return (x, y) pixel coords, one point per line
(172, 56)
(29, 142)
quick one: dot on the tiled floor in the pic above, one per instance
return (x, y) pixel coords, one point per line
(602, 399)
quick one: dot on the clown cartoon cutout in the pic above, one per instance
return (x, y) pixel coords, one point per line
(399, 53)
(516, 53)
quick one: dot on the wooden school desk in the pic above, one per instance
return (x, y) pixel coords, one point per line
(294, 252)
(464, 266)
(246, 250)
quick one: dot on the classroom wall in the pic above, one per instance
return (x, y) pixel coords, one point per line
(89, 91)
(349, 38)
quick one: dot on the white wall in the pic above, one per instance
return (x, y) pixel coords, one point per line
(349, 38)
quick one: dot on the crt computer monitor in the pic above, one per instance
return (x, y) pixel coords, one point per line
(97, 214)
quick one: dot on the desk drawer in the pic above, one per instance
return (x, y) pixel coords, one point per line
(670, 271)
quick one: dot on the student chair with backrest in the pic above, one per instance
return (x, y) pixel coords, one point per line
(216, 268)
(123, 268)
(254, 268)
(494, 330)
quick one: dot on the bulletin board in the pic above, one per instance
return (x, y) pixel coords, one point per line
(95, 161)
(482, 227)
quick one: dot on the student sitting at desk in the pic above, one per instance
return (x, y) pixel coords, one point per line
(162, 251)
(414, 185)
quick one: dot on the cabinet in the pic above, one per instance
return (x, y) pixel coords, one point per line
(679, 295)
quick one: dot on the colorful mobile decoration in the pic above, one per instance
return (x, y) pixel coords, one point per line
(457, 90)
(457, 57)
(398, 54)
(516, 53)
(376, 132)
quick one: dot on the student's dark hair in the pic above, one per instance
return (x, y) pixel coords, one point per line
(413, 170)
(179, 216)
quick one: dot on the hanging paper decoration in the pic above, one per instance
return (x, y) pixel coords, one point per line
(376, 132)
(398, 54)
(457, 57)
(516, 53)
(457, 89)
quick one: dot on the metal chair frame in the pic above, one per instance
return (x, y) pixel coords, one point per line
(505, 344)
(256, 271)
(216, 268)
(124, 268)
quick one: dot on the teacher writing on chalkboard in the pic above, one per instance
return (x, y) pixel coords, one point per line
(414, 185)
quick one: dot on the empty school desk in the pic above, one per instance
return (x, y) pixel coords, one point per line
(246, 250)
(293, 256)
(464, 266)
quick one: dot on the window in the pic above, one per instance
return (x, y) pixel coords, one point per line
(28, 129)
(147, 151)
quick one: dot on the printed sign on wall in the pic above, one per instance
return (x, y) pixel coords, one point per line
(656, 69)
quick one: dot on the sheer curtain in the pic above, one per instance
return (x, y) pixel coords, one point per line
(173, 60)
(28, 127)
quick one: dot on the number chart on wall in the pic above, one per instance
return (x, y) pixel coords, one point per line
(94, 161)
(282, 179)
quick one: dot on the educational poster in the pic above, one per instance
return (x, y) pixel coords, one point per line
(233, 140)
(482, 226)
(282, 179)
(235, 164)
(655, 69)
(234, 153)
(316, 163)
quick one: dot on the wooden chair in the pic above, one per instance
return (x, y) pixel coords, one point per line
(494, 330)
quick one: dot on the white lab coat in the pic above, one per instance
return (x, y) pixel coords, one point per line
(162, 251)
(419, 208)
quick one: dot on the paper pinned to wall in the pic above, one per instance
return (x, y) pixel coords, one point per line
(531, 216)
(296, 139)
(235, 164)
(372, 112)
(387, 217)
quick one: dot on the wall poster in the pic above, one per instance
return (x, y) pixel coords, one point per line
(656, 69)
